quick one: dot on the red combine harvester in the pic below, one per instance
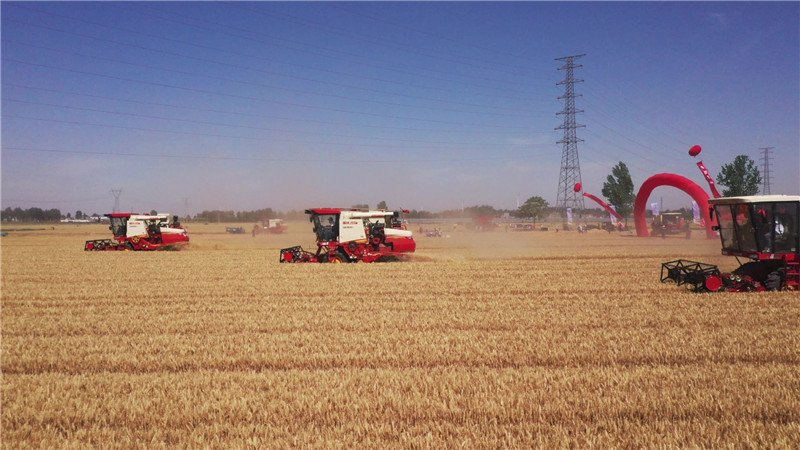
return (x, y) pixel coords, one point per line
(353, 235)
(141, 232)
(669, 223)
(271, 226)
(764, 229)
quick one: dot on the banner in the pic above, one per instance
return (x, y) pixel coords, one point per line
(709, 179)
(654, 207)
(695, 211)
(569, 215)
(611, 215)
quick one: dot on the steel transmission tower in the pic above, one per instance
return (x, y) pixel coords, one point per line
(765, 189)
(116, 193)
(570, 166)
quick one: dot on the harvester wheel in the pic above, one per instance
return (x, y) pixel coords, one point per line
(343, 256)
(774, 281)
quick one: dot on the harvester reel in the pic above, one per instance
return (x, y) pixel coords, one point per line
(696, 276)
(295, 255)
(99, 245)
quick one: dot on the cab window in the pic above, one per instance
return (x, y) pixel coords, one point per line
(785, 227)
(326, 227)
(119, 226)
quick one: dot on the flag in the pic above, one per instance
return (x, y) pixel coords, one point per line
(613, 219)
(695, 211)
(569, 215)
(654, 207)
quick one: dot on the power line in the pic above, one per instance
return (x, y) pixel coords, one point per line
(384, 42)
(245, 114)
(360, 87)
(262, 100)
(228, 51)
(315, 161)
(438, 145)
(219, 124)
(487, 50)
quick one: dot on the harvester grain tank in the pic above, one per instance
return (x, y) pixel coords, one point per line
(353, 235)
(141, 232)
(764, 229)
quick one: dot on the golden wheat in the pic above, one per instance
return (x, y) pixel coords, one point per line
(496, 339)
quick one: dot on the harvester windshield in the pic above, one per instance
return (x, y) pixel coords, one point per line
(325, 226)
(766, 227)
(119, 226)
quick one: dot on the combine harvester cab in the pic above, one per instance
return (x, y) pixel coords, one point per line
(764, 229)
(141, 232)
(353, 235)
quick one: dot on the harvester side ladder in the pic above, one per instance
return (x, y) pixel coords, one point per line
(793, 274)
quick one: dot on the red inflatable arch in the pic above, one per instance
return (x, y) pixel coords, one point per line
(669, 179)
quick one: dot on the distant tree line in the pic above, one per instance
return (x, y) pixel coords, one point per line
(237, 216)
(534, 208)
(31, 215)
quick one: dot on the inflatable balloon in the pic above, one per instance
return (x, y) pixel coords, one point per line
(604, 205)
(669, 179)
(578, 187)
(710, 180)
(694, 151)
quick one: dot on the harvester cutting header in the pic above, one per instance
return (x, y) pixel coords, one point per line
(353, 235)
(764, 229)
(141, 232)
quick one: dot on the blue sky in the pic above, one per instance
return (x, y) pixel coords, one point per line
(442, 105)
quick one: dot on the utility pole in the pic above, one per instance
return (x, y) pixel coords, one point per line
(570, 166)
(116, 193)
(765, 179)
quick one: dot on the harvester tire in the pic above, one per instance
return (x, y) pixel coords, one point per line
(774, 281)
(343, 256)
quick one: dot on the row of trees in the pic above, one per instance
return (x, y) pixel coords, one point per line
(239, 216)
(31, 215)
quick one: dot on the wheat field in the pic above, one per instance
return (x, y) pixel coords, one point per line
(483, 340)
